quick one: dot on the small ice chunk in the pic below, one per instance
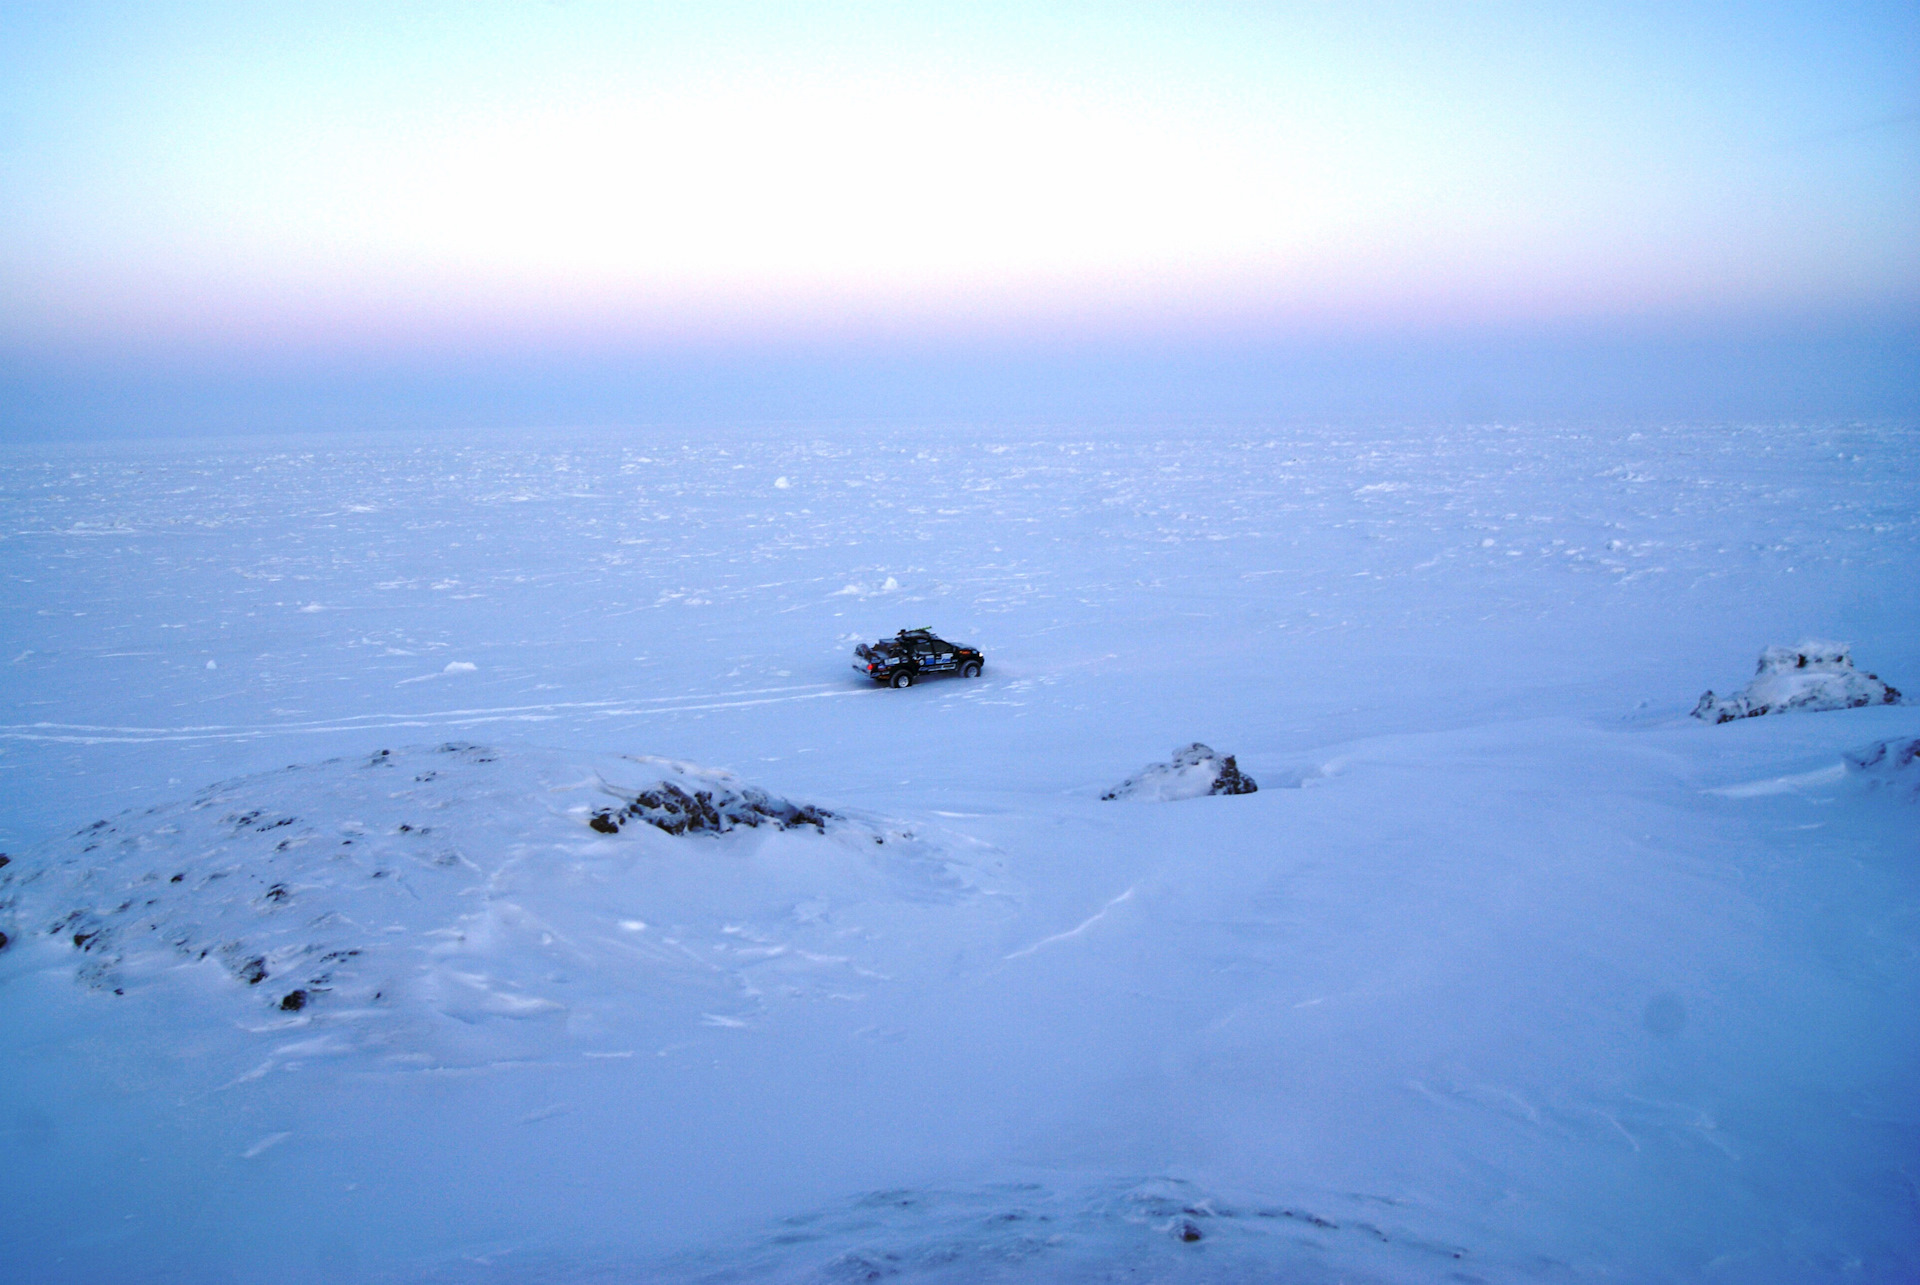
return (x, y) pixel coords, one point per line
(781, 483)
(211, 665)
(459, 667)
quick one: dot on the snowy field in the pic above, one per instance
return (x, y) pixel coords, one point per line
(1509, 971)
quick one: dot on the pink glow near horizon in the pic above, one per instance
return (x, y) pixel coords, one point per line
(617, 175)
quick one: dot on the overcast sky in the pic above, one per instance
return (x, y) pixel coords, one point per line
(373, 199)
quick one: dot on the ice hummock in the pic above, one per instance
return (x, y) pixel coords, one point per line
(1193, 772)
(1812, 676)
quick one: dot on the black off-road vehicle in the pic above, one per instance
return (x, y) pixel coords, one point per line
(913, 654)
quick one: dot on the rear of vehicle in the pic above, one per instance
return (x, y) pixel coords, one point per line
(879, 663)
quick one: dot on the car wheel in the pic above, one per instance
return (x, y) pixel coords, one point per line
(903, 680)
(970, 670)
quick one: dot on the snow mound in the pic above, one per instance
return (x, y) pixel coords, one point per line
(1110, 1229)
(1812, 676)
(683, 799)
(1194, 772)
(1891, 765)
(456, 904)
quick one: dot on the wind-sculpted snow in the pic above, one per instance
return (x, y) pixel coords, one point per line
(382, 895)
(1813, 676)
(1192, 773)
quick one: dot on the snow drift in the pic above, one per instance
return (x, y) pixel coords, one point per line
(1193, 773)
(1812, 676)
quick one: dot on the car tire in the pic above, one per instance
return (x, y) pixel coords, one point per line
(903, 680)
(970, 670)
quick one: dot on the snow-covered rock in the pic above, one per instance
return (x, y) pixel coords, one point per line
(1893, 765)
(1194, 772)
(681, 798)
(1812, 676)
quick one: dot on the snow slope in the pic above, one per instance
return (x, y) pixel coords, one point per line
(1510, 971)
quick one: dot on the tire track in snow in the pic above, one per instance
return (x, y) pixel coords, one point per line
(96, 734)
(1075, 931)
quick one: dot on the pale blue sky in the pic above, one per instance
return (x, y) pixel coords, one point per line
(332, 183)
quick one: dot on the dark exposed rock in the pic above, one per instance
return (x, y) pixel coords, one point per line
(1232, 780)
(1188, 1230)
(294, 1001)
(252, 971)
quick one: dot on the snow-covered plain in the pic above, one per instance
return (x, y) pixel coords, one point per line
(1510, 971)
